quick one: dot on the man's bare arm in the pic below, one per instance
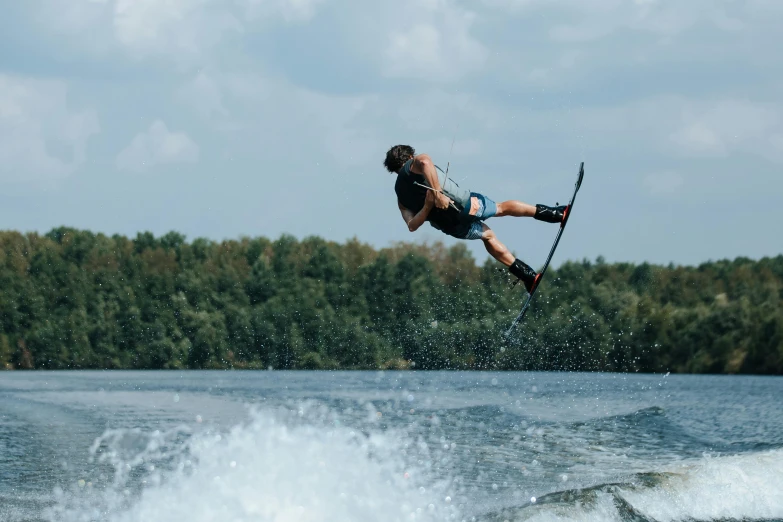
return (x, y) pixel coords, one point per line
(414, 221)
(423, 165)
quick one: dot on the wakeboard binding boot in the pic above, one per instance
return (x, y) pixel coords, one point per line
(526, 274)
(555, 214)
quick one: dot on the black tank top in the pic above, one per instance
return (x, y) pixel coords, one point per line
(412, 197)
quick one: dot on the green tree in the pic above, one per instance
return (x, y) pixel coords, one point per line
(75, 299)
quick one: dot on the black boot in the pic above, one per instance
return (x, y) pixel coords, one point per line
(524, 273)
(550, 214)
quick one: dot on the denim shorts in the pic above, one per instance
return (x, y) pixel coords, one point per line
(471, 226)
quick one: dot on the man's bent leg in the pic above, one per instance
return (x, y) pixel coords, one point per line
(495, 248)
(498, 250)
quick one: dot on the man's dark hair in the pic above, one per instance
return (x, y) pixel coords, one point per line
(397, 156)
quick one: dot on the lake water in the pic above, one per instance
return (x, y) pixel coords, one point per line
(383, 446)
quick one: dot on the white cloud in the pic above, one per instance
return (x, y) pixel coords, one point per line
(599, 18)
(435, 46)
(727, 23)
(555, 68)
(77, 17)
(157, 146)
(182, 29)
(698, 137)
(42, 139)
(669, 125)
(203, 94)
(183, 32)
(343, 127)
(666, 182)
(273, 110)
(290, 10)
(718, 128)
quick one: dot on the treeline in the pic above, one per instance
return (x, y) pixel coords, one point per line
(74, 299)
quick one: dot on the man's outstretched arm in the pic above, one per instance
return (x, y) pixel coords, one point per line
(414, 221)
(423, 165)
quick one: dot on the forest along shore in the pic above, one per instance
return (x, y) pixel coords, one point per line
(72, 299)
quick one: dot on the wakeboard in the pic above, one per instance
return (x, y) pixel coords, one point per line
(552, 251)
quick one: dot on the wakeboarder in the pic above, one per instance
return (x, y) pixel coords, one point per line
(425, 193)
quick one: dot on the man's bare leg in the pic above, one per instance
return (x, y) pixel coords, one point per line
(540, 212)
(516, 209)
(495, 248)
(499, 251)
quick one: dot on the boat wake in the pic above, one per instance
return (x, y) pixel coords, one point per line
(281, 465)
(303, 464)
(736, 488)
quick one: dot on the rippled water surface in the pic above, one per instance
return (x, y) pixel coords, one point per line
(360, 446)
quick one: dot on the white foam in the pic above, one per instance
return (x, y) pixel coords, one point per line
(303, 465)
(736, 487)
(601, 510)
(741, 487)
(272, 469)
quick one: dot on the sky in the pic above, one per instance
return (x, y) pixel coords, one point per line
(231, 118)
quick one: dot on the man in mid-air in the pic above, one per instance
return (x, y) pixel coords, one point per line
(424, 194)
